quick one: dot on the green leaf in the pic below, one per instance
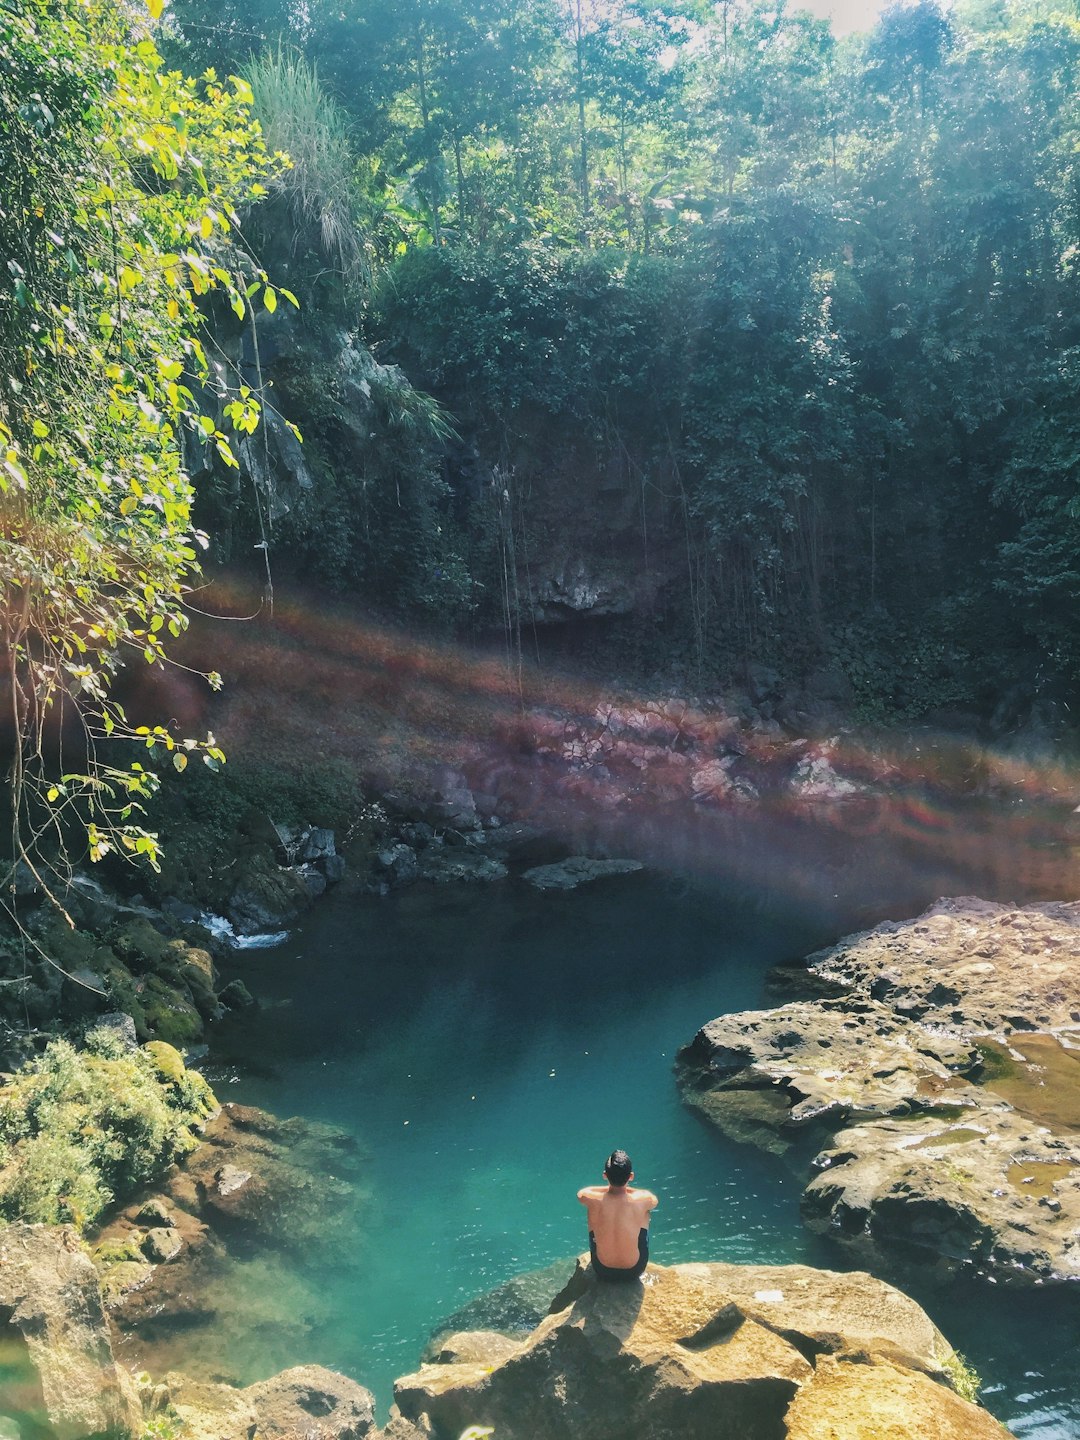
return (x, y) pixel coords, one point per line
(270, 299)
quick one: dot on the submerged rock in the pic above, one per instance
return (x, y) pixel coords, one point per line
(706, 1352)
(516, 1306)
(940, 1084)
(578, 870)
(255, 1183)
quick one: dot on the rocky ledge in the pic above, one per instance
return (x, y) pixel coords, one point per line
(932, 1088)
(726, 1352)
(703, 1352)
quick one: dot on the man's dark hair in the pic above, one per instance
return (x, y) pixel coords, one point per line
(618, 1168)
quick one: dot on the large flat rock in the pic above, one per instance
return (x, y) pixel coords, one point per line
(695, 1352)
(939, 1084)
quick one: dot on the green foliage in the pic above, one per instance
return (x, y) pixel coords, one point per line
(120, 185)
(963, 1377)
(82, 1129)
(315, 199)
(717, 285)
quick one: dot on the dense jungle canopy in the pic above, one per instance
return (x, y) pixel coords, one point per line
(778, 329)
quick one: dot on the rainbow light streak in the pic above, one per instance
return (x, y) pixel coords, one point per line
(616, 772)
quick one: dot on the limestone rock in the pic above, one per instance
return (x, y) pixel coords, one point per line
(940, 1084)
(696, 1352)
(311, 1403)
(49, 1294)
(987, 1190)
(882, 1402)
(304, 1403)
(968, 964)
(766, 1075)
(578, 870)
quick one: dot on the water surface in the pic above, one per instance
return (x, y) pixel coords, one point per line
(488, 1046)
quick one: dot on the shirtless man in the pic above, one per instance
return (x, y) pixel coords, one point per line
(618, 1221)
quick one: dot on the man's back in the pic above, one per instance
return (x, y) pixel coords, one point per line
(617, 1215)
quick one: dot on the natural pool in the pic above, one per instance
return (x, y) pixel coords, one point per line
(488, 1046)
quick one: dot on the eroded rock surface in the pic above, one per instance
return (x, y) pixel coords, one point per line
(940, 1085)
(307, 1402)
(705, 1352)
(49, 1294)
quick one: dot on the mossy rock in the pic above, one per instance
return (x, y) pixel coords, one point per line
(125, 1275)
(170, 1015)
(70, 949)
(117, 1251)
(125, 995)
(168, 1062)
(140, 946)
(193, 1091)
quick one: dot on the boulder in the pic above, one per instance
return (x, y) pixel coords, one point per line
(398, 863)
(307, 1402)
(815, 779)
(460, 864)
(49, 1294)
(882, 1402)
(256, 1182)
(266, 899)
(317, 844)
(696, 1352)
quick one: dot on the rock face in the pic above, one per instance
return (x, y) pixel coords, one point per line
(706, 1352)
(940, 1086)
(49, 1294)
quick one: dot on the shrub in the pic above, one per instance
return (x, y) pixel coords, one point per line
(82, 1129)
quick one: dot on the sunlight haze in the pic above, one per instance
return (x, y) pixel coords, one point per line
(846, 15)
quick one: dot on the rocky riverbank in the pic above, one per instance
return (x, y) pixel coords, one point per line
(931, 1089)
(742, 1352)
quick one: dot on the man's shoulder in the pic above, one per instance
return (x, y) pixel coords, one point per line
(646, 1197)
(591, 1192)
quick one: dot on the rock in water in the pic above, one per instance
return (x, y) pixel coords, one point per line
(578, 870)
(940, 1085)
(49, 1293)
(708, 1352)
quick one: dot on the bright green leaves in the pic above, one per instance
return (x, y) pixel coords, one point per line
(117, 220)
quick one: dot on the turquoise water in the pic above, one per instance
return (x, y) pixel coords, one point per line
(487, 1047)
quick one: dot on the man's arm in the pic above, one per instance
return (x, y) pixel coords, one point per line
(589, 1192)
(648, 1197)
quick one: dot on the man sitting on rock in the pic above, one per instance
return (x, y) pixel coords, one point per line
(618, 1222)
